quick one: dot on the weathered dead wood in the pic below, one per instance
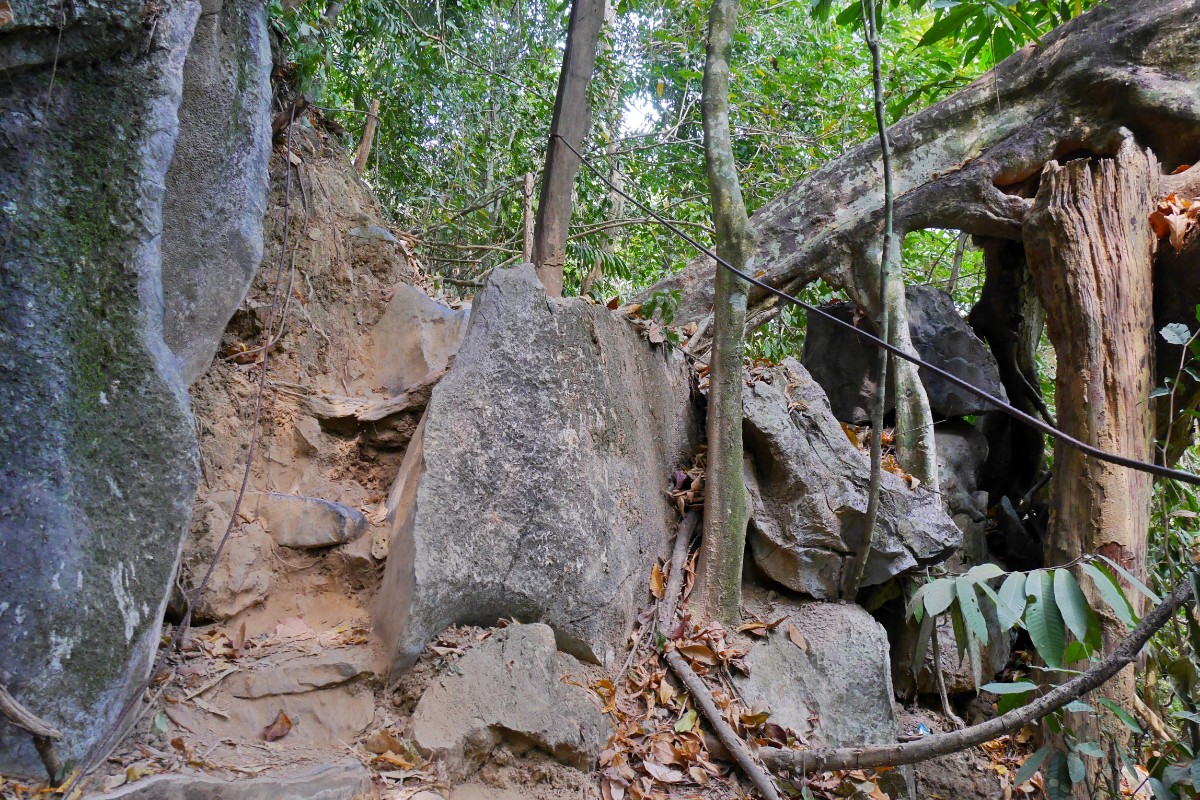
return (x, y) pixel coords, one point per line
(1091, 249)
(368, 138)
(895, 755)
(1124, 64)
(572, 117)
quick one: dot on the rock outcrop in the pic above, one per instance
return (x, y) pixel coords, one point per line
(99, 464)
(836, 687)
(808, 487)
(534, 488)
(332, 782)
(415, 339)
(510, 689)
(843, 363)
(212, 240)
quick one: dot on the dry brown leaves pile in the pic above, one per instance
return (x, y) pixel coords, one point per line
(1176, 217)
(658, 742)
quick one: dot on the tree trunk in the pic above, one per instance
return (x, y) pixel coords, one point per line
(364, 146)
(959, 163)
(1090, 250)
(570, 121)
(727, 503)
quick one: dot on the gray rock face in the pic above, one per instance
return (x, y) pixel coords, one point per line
(99, 460)
(534, 487)
(217, 185)
(510, 688)
(414, 339)
(809, 494)
(306, 523)
(238, 580)
(843, 362)
(332, 782)
(296, 675)
(962, 450)
(842, 678)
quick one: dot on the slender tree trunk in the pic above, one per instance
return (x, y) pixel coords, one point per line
(527, 219)
(368, 137)
(727, 503)
(571, 119)
(1090, 249)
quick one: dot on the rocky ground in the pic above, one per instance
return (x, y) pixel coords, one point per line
(321, 665)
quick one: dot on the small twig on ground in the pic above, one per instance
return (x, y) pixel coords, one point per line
(694, 684)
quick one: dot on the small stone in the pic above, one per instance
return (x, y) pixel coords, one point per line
(373, 233)
(510, 689)
(331, 782)
(306, 522)
(838, 692)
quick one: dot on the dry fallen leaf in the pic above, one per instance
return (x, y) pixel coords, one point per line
(279, 728)
(657, 586)
(797, 638)
(663, 773)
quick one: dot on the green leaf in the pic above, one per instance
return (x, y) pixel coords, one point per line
(924, 633)
(1008, 702)
(939, 596)
(1159, 391)
(984, 572)
(1194, 771)
(1058, 777)
(1078, 706)
(947, 26)
(1090, 749)
(1176, 333)
(962, 636)
(1190, 716)
(1122, 715)
(1160, 792)
(1110, 592)
(1133, 581)
(1075, 768)
(686, 722)
(1043, 620)
(1009, 688)
(1031, 765)
(968, 601)
(1071, 602)
(1012, 600)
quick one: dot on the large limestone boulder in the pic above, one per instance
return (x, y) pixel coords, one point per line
(843, 362)
(834, 686)
(212, 239)
(153, 149)
(510, 689)
(99, 464)
(808, 487)
(534, 488)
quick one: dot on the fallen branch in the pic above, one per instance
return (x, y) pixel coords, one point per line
(895, 755)
(694, 684)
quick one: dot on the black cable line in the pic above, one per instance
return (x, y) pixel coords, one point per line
(1028, 419)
